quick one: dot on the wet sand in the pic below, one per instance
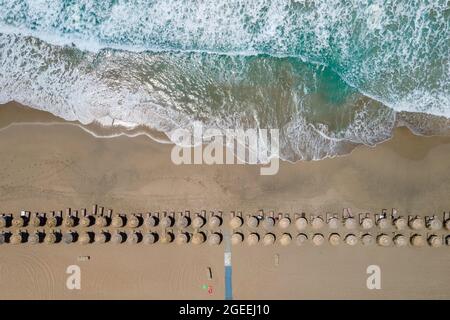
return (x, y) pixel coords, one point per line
(51, 167)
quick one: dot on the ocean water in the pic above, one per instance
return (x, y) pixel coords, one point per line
(330, 75)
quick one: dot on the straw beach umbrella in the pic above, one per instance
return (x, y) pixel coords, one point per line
(101, 237)
(50, 238)
(16, 238)
(447, 224)
(198, 238)
(367, 239)
(318, 239)
(52, 222)
(3, 222)
(252, 239)
(301, 239)
(435, 224)
(334, 239)
(435, 241)
(68, 237)
(285, 239)
(268, 223)
(384, 240)
(236, 222)
(417, 240)
(400, 223)
(317, 223)
(237, 238)
(101, 221)
(34, 238)
(183, 222)
(198, 222)
(182, 238)
(333, 223)
(118, 237)
(2, 238)
(417, 223)
(215, 222)
(215, 239)
(85, 238)
(150, 238)
(69, 222)
(383, 223)
(252, 222)
(167, 237)
(152, 221)
(351, 239)
(118, 221)
(18, 222)
(268, 239)
(367, 223)
(350, 223)
(133, 238)
(36, 220)
(400, 240)
(301, 223)
(86, 221)
(133, 221)
(284, 223)
(167, 222)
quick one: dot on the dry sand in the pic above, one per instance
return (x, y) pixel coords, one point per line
(54, 166)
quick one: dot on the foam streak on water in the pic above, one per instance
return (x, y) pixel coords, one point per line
(329, 74)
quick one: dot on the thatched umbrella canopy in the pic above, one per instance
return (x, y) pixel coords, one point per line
(101, 221)
(100, 237)
(367, 223)
(50, 238)
(417, 223)
(383, 223)
(417, 240)
(334, 239)
(384, 240)
(268, 239)
(68, 237)
(166, 222)
(2, 221)
(118, 221)
(400, 223)
(133, 221)
(167, 237)
(52, 222)
(268, 223)
(447, 224)
(118, 238)
(69, 222)
(301, 239)
(36, 221)
(183, 222)
(215, 221)
(351, 223)
(215, 239)
(152, 221)
(367, 239)
(86, 221)
(133, 238)
(435, 224)
(351, 239)
(198, 222)
(317, 223)
(33, 238)
(252, 239)
(400, 240)
(435, 241)
(252, 222)
(85, 238)
(285, 239)
(2, 238)
(237, 238)
(236, 222)
(318, 239)
(301, 223)
(18, 222)
(182, 238)
(150, 238)
(284, 223)
(16, 238)
(333, 223)
(198, 238)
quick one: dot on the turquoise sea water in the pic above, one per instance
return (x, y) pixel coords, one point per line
(329, 74)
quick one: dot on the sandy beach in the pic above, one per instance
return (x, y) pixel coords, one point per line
(49, 164)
